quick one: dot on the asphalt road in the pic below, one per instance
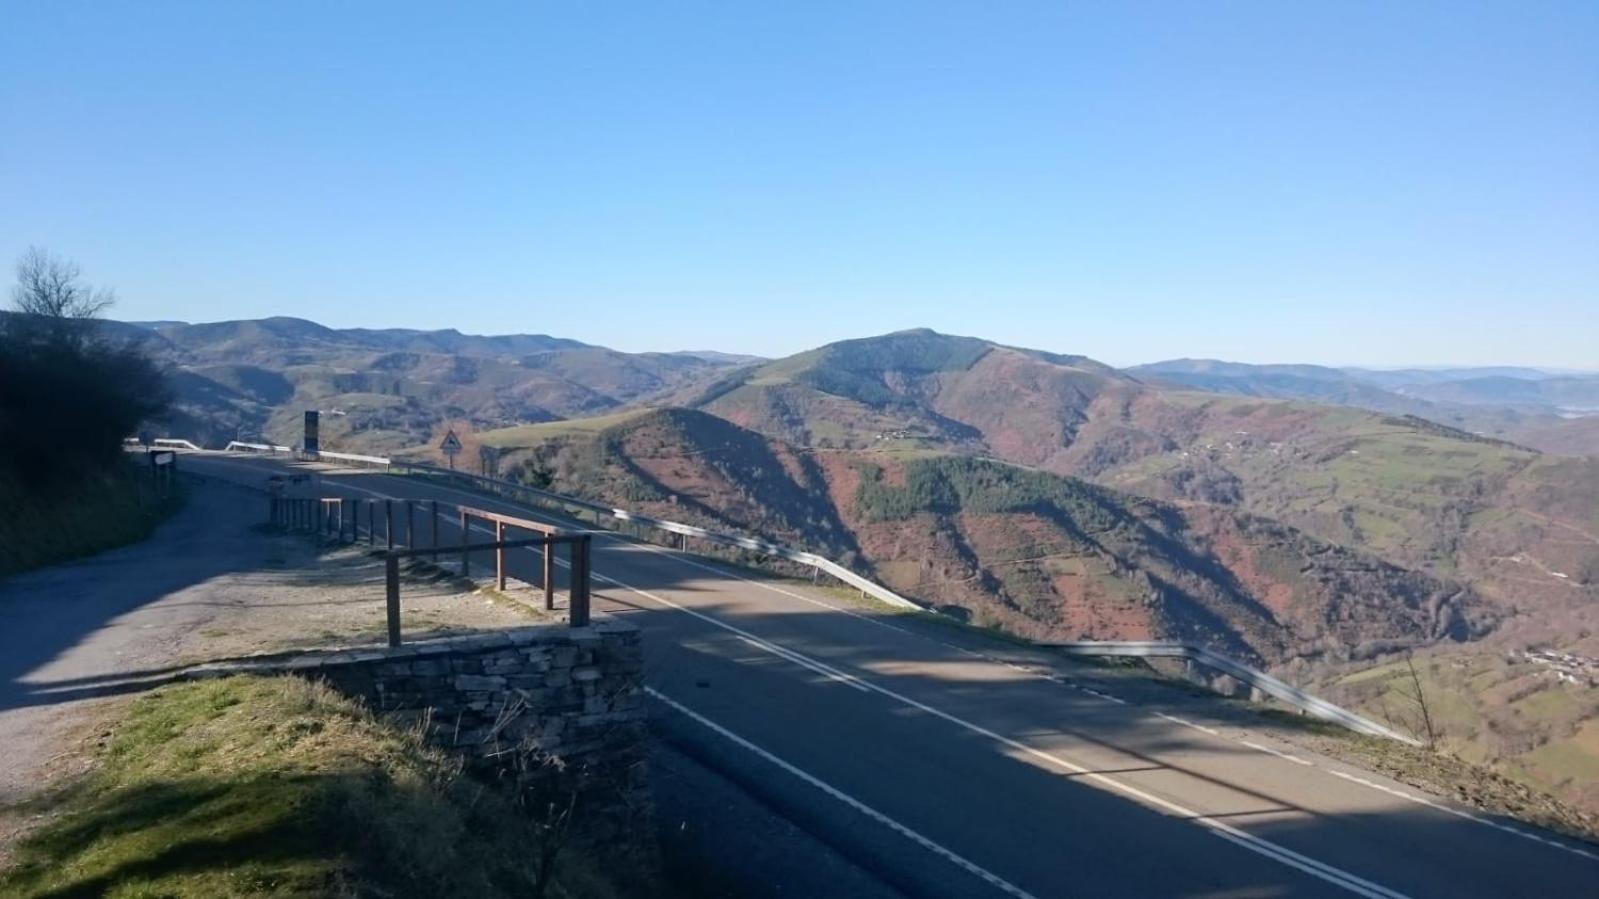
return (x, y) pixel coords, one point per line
(946, 767)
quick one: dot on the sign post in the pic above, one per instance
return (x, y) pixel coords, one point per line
(489, 458)
(310, 445)
(451, 447)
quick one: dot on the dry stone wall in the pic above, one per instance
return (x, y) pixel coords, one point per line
(550, 705)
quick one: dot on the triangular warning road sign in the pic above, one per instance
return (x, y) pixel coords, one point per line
(451, 444)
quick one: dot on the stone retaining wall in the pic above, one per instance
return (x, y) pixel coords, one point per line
(549, 705)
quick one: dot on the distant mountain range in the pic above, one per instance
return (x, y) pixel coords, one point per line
(1493, 519)
(1292, 457)
(1310, 518)
(385, 389)
(1524, 405)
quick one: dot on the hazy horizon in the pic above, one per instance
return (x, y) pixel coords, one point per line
(734, 351)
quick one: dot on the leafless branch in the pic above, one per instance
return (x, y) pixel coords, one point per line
(49, 286)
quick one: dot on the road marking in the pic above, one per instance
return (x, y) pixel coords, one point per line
(948, 854)
(1459, 813)
(1092, 692)
(1333, 875)
(1278, 753)
(1240, 837)
(832, 674)
(1186, 723)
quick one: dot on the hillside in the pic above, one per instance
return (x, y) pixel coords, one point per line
(1550, 412)
(1416, 493)
(383, 390)
(1505, 541)
(1033, 553)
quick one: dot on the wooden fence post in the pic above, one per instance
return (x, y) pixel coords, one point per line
(499, 556)
(466, 536)
(388, 522)
(391, 590)
(578, 612)
(549, 576)
(410, 524)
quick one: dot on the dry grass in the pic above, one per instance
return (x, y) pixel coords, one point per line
(271, 787)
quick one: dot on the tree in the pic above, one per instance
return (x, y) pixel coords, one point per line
(1422, 726)
(50, 293)
(68, 398)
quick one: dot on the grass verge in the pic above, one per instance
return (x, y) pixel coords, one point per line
(97, 513)
(272, 787)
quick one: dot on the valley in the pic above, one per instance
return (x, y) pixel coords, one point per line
(1042, 494)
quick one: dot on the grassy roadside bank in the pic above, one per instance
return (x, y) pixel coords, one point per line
(276, 787)
(94, 514)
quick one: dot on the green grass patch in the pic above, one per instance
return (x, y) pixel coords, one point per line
(271, 787)
(92, 514)
(522, 436)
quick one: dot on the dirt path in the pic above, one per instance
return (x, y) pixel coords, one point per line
(208, 584)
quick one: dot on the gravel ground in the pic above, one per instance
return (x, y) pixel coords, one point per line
(76, 641)
(210, 583)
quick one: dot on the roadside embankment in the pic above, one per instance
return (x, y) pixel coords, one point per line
(92, 514)
(277, 786)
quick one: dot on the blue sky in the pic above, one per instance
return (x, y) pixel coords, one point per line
(1350, 183)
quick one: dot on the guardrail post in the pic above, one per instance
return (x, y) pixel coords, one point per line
(371, 522)
(499, 556)
(388, 522)
(466, 534)
(391, 591)
(549, 576)
(435, 543)
(410, 524)
(578, 612)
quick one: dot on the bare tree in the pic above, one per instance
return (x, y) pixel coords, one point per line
(49, 289)
(1418, 696)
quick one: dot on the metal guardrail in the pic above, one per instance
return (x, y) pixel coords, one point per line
(821, 563)
(1271, 686)
(1259, 680)
(236, 446)
(167, 442)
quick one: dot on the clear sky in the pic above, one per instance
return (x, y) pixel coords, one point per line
(1342, 182)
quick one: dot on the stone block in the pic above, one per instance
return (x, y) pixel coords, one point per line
(470, 682)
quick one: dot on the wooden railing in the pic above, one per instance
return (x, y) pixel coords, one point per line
(340, 518)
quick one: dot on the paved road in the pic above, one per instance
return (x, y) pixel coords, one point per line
(947, 767)
(74, 632)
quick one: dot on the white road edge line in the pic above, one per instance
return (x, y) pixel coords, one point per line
(990, 877)
(1278, 753)
(1333, 875)
(1462, 814)
(1115, 785)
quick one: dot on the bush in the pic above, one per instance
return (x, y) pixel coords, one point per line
(100, 510)
(67, 400)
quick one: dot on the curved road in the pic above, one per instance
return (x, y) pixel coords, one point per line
(949, 767)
